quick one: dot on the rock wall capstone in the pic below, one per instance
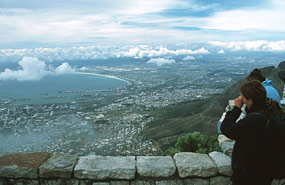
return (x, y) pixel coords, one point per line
(184, 168)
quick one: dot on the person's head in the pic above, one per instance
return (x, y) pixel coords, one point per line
(253, 93)
(255, 75)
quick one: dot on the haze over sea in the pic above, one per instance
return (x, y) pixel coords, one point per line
(57, 89)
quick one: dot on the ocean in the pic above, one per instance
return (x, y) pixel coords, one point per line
(57, 89)
(55, 128)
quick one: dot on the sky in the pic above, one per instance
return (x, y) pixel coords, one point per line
(33, 23)
(33, 33)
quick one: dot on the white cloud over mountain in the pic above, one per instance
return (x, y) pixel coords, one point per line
(33, 69)
(94, 52)
(260, 45)
(140, 51)
(188, 58)
(64, 68)
(160, 61)
(161, 51)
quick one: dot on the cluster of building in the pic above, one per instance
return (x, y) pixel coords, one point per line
(109, 124)
(58, 129)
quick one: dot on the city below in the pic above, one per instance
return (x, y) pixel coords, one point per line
(110, 121)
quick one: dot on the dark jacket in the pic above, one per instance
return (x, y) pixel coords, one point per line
(251, 156)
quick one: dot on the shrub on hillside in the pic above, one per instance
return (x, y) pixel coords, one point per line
(195, 142)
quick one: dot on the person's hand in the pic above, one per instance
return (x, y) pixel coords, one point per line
(239, 102)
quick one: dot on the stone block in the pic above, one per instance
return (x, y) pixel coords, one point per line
(77, 182)
(105, 167)
(222, 138)
(196, 182)
(141, 182)
(53, 182)
(3, 181)
(227, 148)
(22, 165)
(220, 180)
(155, 166)
(58, 166)
(275, 182)
(63, 182)
(119, 183)
(278, 182)
(169, 182)
(23, 182)
(194, 165)
(223, 162)
(101, 183)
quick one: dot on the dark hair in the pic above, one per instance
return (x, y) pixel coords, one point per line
(272, 106)
(255, 91)
(255, 75)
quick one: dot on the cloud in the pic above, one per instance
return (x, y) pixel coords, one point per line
(160, 61)
(269, 18)
(188, 58)
(261, 45)
(95, 52)
(161, 21)
(33, 69)
(64, 68)
(140, 52)
(221, 51)
(83, 68)
(59, 22)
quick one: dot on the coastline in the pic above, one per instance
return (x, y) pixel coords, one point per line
(107, 76)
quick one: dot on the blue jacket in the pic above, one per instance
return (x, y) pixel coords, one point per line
(271, 91)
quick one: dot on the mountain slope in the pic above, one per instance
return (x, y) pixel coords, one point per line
(199, 115)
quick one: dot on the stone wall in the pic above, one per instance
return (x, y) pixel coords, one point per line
(184, 168)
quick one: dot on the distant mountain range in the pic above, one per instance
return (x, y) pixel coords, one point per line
(199, 115)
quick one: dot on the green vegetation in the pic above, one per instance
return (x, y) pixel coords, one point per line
(176, 120)
(195, 142)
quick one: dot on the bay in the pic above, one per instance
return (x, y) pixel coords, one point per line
(57, 89)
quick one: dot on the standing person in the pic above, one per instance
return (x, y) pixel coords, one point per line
(271, 91)
(251, 157)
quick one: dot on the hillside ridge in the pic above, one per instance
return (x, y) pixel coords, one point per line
(199, 115)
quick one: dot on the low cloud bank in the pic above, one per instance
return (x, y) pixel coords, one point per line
(188, 58)
(162, 51)
(94, 52)
(140, 51)
(161, 61)
(261, 45)
(221, 52)
(64, 68)
(33, 69)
